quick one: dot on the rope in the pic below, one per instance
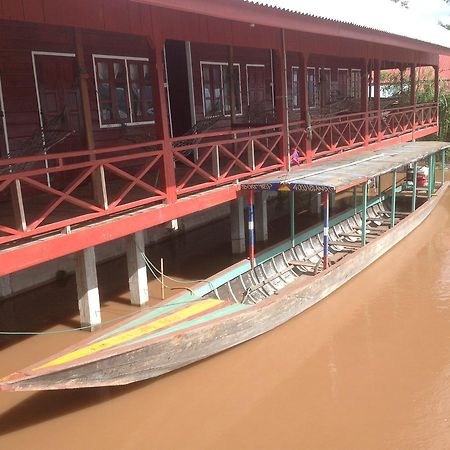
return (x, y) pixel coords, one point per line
(87, 327)
(152, 268)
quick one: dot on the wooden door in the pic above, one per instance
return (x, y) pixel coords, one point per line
(256, 92)
(60, 102)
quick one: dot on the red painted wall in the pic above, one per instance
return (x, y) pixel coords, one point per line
(19, 91)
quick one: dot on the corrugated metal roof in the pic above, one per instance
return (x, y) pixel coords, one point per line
(350, 170)
(379, 15)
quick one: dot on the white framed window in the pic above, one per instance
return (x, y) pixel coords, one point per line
(325, 83)
(124, 90)
(312, 87)
(355, 83)
(343, 83)
(295, 94)
(216, 88)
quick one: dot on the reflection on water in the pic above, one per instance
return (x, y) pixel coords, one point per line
(368, 368)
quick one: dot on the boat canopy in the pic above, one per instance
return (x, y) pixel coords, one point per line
(352, 170)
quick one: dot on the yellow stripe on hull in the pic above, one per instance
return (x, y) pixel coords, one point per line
(124, 337)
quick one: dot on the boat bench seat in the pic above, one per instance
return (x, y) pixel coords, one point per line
(346, 244)
(315, 266)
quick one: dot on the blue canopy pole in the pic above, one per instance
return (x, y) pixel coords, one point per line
(251, 228)
(326, 225)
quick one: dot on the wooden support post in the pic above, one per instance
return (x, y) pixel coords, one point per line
(87, 288)
(355, 199)
(262, 229)
(292, 217)
(162, 118)
(414, 195)
(215, 156)
(281, 97)
(251, 154)
(413, 98)
(304, 104)
(326, 228)
(251, 228)
(98, 177)
(402, 79)
(436, 84)
(365, 102)
(137, 270)
(232, 85)
(364, 216)
(237, 226)
(17, 206)
(377, 97)
(393, 198)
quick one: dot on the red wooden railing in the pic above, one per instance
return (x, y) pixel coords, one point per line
(49, 193)
(216, 158)
(338, 134)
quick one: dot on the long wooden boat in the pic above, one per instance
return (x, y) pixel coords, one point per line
(232, 307)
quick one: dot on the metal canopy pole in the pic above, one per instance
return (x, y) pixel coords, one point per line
(433, 179)
(394, 197)
(364, 216)
(414, 195)
(443, 167)
(430, 171)
(326, 225)
(292, 216)
(251, 229)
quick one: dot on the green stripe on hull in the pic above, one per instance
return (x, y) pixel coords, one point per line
(191, 323)
(156, 312)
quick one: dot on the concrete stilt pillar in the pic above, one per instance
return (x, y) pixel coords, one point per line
(262, 230)
(137, 270)
(87, 288)
(173, 225)
(237, 226)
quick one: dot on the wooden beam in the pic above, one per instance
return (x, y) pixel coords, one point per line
(161, 109)
(281, 97)
(48, 248)
(98, 177)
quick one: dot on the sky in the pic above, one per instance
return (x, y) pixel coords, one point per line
(436, 9)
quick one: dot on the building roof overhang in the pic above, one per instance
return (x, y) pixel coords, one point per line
(276, 13)
(337, 175)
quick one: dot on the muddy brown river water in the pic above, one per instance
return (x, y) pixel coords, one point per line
(368, 368)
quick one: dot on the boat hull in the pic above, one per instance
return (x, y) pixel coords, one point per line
(177, 350)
